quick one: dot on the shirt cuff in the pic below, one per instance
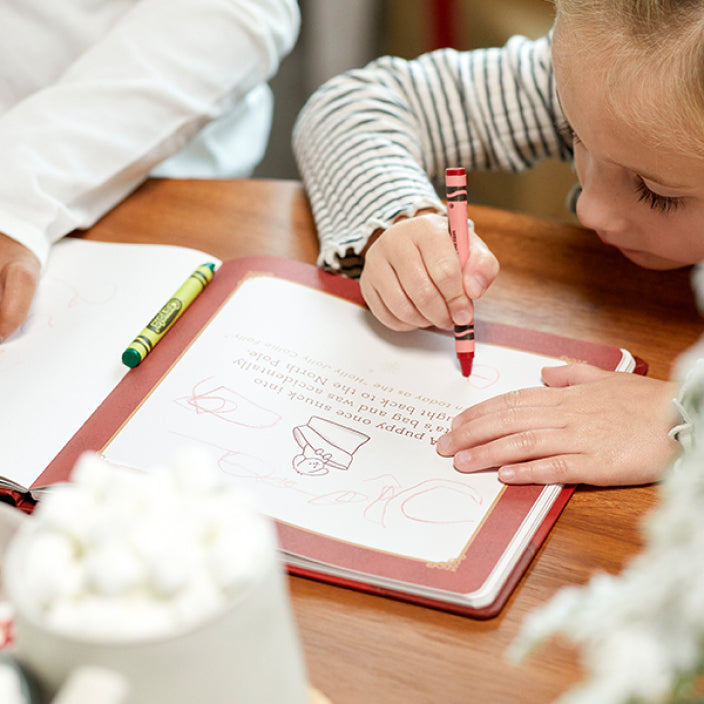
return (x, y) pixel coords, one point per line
(348, 258)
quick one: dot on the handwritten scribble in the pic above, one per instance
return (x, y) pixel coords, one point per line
(484, 376)
(375, 512)
(433, 501)
(64, 296)
(325, 445)
(227, 405)
(436, 501)
(342, 496)
(385, 478)
(441, 501)
(244, 465)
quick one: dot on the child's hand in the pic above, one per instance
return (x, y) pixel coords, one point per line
(412, 277)
(19, 276)
(589, 426)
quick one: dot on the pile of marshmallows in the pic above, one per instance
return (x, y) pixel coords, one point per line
(122, 554)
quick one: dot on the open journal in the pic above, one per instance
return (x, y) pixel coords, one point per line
(331, 421)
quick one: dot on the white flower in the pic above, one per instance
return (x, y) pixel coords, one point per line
(641, 632)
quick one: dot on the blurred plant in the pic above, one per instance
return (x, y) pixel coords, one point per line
(641, 633)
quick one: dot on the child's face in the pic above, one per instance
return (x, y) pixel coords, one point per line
(644, 197)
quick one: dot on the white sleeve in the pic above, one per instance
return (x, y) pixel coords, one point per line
(371, 142)
(74, 149)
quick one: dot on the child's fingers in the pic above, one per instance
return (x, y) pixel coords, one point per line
(399, 270)
(494, 438)
(520, 450)
(510, 406)
(386, 298)
(587, 425)
(406, 319)
(571, 374)
(432, 276)
(560, 469)
(434, 285)
(412, 275)
(481, 268)
(451, 301)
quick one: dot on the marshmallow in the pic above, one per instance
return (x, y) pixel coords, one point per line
(124, 554)
(195, 471)
(52, 570)
(112, 568)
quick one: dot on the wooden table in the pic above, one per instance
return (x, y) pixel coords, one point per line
(364, 649)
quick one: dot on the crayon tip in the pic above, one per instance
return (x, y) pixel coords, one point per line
(131, 358)
(466, 361)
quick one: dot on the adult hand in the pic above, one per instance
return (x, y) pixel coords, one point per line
(412, 277)
(586, 426)
(19, 276)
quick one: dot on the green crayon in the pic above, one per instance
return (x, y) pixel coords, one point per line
(170, 312)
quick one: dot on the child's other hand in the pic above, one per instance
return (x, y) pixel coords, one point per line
(588, 426)
(19, 276)
(412, 277)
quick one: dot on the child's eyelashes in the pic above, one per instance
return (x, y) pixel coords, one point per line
(655, 201)
(663, 204)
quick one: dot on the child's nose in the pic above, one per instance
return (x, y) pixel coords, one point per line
(600, 209)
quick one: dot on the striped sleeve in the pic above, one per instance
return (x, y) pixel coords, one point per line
(370, 143)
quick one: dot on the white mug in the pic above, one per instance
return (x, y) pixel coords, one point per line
(248, 652)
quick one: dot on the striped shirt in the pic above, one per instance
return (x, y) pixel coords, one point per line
(371, 142)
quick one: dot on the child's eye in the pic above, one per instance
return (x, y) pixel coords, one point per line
(664, 204)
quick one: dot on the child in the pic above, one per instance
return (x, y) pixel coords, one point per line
(617, 87)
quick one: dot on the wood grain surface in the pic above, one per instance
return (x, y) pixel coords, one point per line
(363, 649)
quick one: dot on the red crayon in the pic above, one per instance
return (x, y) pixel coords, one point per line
(456, 191)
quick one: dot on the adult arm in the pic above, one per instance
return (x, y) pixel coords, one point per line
(77, 147)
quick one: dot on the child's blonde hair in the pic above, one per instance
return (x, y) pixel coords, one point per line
(658, 51)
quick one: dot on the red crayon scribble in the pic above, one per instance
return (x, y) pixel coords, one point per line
(483, 376)
(227, 405)
(342, 496)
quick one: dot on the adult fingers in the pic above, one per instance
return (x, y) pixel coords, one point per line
(18, 283)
